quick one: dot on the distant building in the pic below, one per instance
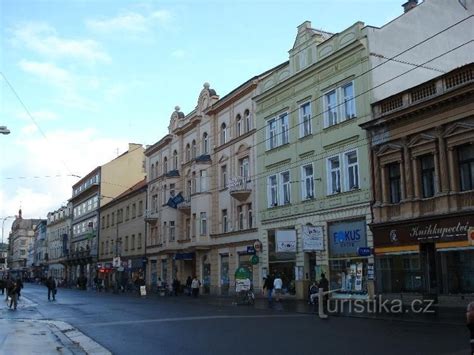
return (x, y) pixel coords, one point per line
(39, 266)
(58, 239)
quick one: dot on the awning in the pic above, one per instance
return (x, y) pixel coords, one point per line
(184, 256)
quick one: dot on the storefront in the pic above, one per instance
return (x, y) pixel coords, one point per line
(429, 256)
(350, 266)
(282, 256)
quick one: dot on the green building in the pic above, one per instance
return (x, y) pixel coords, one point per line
(312, 166)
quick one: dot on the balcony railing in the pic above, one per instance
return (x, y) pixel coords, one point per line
(240, 187)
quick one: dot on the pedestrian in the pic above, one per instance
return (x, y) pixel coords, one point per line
(324, 284)
(51, 285)
(195, 284)
(2, 285)
(268, 287)
(470, 323)
(189, 280)
(175, 286)
(12, 292)
(278, 286)
(8, 285)
(19, 284)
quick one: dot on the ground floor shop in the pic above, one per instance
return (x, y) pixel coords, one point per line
(428, 256)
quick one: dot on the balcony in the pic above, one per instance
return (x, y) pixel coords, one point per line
(151, 217)
(185, 206)
(240, 188)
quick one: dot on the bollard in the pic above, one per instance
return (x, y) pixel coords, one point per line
(321, 313)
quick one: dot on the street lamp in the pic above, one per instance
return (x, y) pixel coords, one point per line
(4, 130)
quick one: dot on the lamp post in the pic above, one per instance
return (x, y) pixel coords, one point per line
(4, 130)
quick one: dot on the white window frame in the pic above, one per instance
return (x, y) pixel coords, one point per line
(272, 134)
(330, 188)
(240, 217)
(305, 180)
(203, 180)
(244, 168)
(239, 124)
(225, 226)
(348, 167)
(203, 223)
(306, 127)
(224, 176)
(285, 188)
(284, 128)
(223, 133)
(272, 191)
(205, 143)
(348, 103)
(330, 108)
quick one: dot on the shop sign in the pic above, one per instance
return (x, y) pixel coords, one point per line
(99, 265)
(470, 236)
(313, 238)
(250, 249)
(364, 251)
(438, 230)
(286, 241)
(370, 272)
(116, 261)
(345, 238)
(254, 259)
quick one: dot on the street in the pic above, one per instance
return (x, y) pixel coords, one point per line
(127, 323)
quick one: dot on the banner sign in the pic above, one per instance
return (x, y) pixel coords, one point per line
(285, 241)
(345, 238)
(313, 238)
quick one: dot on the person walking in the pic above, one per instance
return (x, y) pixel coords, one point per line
(278, 286)
(19, 284)
(12, 292)
(2, 285)
(268, 287)
(51, 284)
(195, 284)
(189, 280)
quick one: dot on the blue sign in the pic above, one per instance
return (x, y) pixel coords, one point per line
(250, 250)
(364, 251)
(346, 238)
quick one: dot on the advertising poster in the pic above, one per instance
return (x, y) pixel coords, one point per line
(313, 238)
(358, 278)
(286, 241)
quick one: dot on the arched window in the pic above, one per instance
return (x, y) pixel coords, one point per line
(223, 133)
(188, 152)
(152, 172)
(193, 182)
(238, 125)
(165, 165)
(205, 143)
(175, 160)
(193, 149)
(248, 121)
(157, 169)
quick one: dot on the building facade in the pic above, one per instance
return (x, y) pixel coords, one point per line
(58, 236)
(312, 164)
(201, 194)
(39, 266)
(122, 238)
(422, 150)
(95, 190)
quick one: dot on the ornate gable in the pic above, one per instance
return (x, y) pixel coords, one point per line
(458, 128)
(421, 139)
(176, 119)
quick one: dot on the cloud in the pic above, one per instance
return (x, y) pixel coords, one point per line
(64, 152)
(40, 115)
(48, 72)
(179, 53)
(130, 22)
(43, 39)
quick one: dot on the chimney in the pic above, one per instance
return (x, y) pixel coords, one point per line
(410, 4)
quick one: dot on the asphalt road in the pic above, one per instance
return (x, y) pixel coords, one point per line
(129, 324)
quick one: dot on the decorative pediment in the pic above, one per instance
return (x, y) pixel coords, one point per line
(206, 98)
(176, 119)
(421, 139)
(458, 128)
(243, 148)
(389, 149)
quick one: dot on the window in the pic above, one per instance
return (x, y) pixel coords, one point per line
(126, 243)
(107, 247)
(102, 248)
(139, 241)
(108, 221)
(394, 182)
(334, 175)
(188, 152)
(223, 133)
(127, 213)
(205, 143)
(152, 173)
(154, 203)
(427, 175)
(172, 231)
(305, 119)
(188, 190)
(307, 182)
(248, 121)
(224, 176)
(203, 180)
(193, 149)
(103, 222)
(140, 208)
(238, 124)
(240, 217)
(165, 165)
(352, 170)
(175, 160)
(277, 131)
(330, 108)
(249, 215)
(244, 168)
(132, 247)
(272, 191)
(203, 228)
(285, 187)
(165, 231)
(172, 190)
(466, 167)
(224, 221)
(187, 230)
(113, 219)
(339, 105)
(165, 194)
(193, 181)
(134, 211)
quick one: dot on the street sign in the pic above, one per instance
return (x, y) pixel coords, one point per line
(250, 249)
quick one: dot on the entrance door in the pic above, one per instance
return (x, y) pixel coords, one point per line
(428, 267)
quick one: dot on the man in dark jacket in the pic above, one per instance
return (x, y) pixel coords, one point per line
(19, 285)
(2, 285)
(51, 284)
(268, 287)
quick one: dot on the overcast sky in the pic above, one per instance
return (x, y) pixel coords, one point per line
(81, 79)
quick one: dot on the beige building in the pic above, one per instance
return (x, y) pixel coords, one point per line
(58, 234)
(201, 197)
(122, 237)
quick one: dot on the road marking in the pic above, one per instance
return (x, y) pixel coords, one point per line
(180, 319)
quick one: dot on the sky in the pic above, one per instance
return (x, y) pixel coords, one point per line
(81, 79)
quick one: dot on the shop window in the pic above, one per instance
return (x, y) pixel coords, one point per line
(394, 180)
(466, 167)
(427, 175)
